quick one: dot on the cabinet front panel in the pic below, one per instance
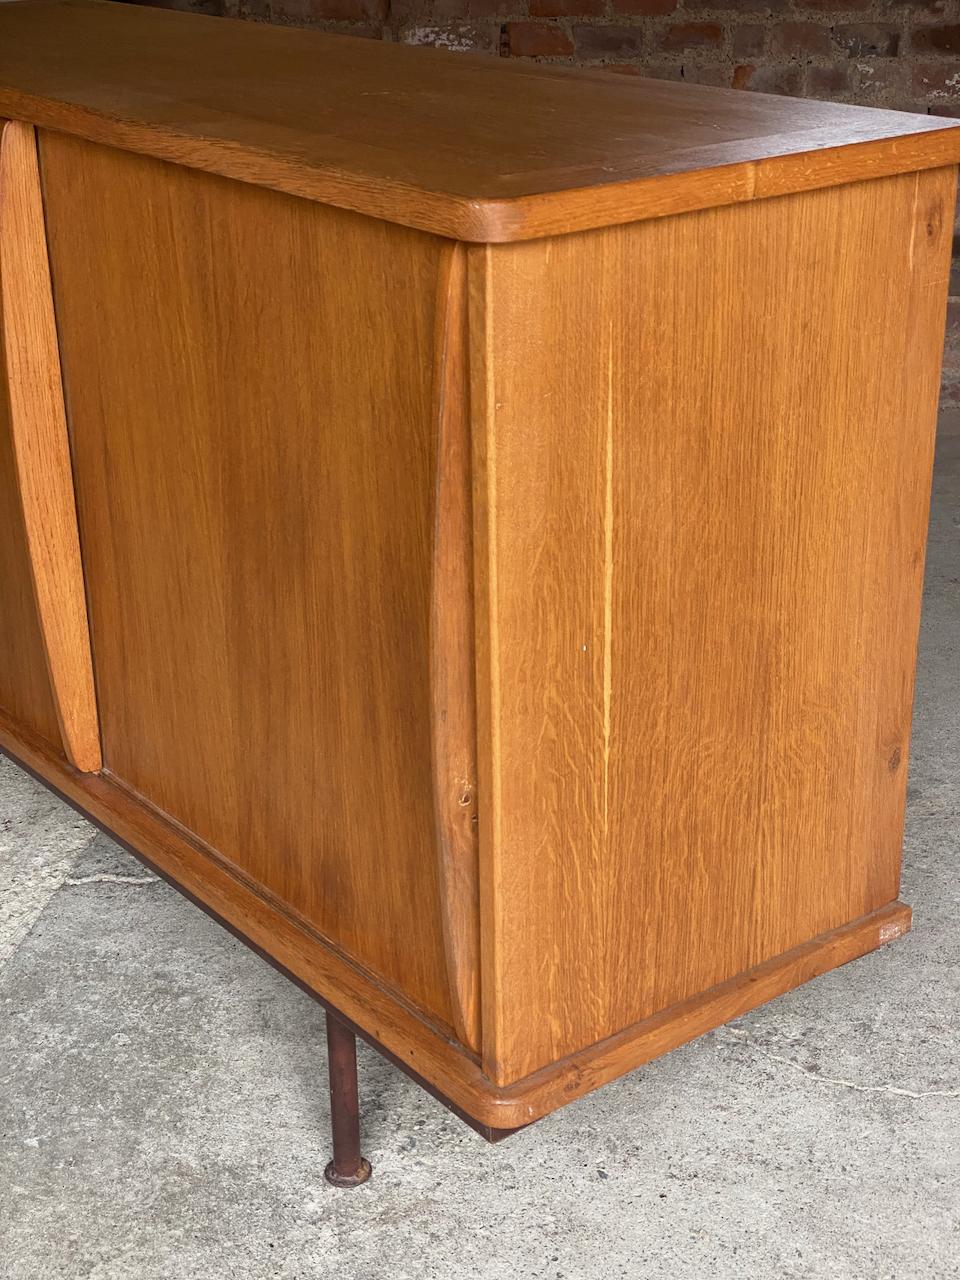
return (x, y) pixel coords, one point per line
(248, 382)
(702, 486)
(24, 682)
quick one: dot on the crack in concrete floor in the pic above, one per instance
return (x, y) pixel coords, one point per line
(75, 881)
(741, 1037)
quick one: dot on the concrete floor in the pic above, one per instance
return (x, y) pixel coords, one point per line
(162, 1105)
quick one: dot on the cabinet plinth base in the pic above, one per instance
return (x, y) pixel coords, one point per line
(422, 1051)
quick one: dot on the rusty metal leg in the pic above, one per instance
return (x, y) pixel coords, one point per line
(348, 1168)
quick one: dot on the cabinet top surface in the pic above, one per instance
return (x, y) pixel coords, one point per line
(470, 146)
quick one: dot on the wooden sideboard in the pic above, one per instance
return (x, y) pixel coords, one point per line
(462, 522)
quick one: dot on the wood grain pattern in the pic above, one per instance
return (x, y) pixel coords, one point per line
(699, 561)
(582, 1072)
(250, 385)
(40, 448)
(387, 1021)
(453, 679)
(516, 642)
(24, 680)
(489, 149)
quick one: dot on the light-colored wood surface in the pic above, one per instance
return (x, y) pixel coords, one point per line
(453, 680)
(473, 147)
(24, 680)
(516, 642)
(703, 451)
(581, 1073)
(268, 927)
(40, 449)
(250, 388)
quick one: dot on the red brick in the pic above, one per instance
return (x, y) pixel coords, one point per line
(304, 13)
(867, 40)
(885, 84)
(362, 31)
(566, 8)
(347, 10)
(736, 6)
(832, 6)
(603, 41)
(824, 81)
(454, 10)
(792, 38)
(749, 41)
(938, 80)
(212, 8)
(934, 7)
(350, 10)
(711, 74)
(691, 35)
(742, 74)
(663, 71)
(882, 83)
(645, 8)
(943, 39)
(537, 40)
(768, 79)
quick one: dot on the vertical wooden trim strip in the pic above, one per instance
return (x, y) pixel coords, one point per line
(480, 265)
(40, 445)
(452, 677)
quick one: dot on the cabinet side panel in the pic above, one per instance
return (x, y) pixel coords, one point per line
(248, 382)
(702, 501)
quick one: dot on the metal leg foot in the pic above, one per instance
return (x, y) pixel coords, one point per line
(348, 1168)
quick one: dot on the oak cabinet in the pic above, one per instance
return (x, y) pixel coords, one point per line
(463, 523)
